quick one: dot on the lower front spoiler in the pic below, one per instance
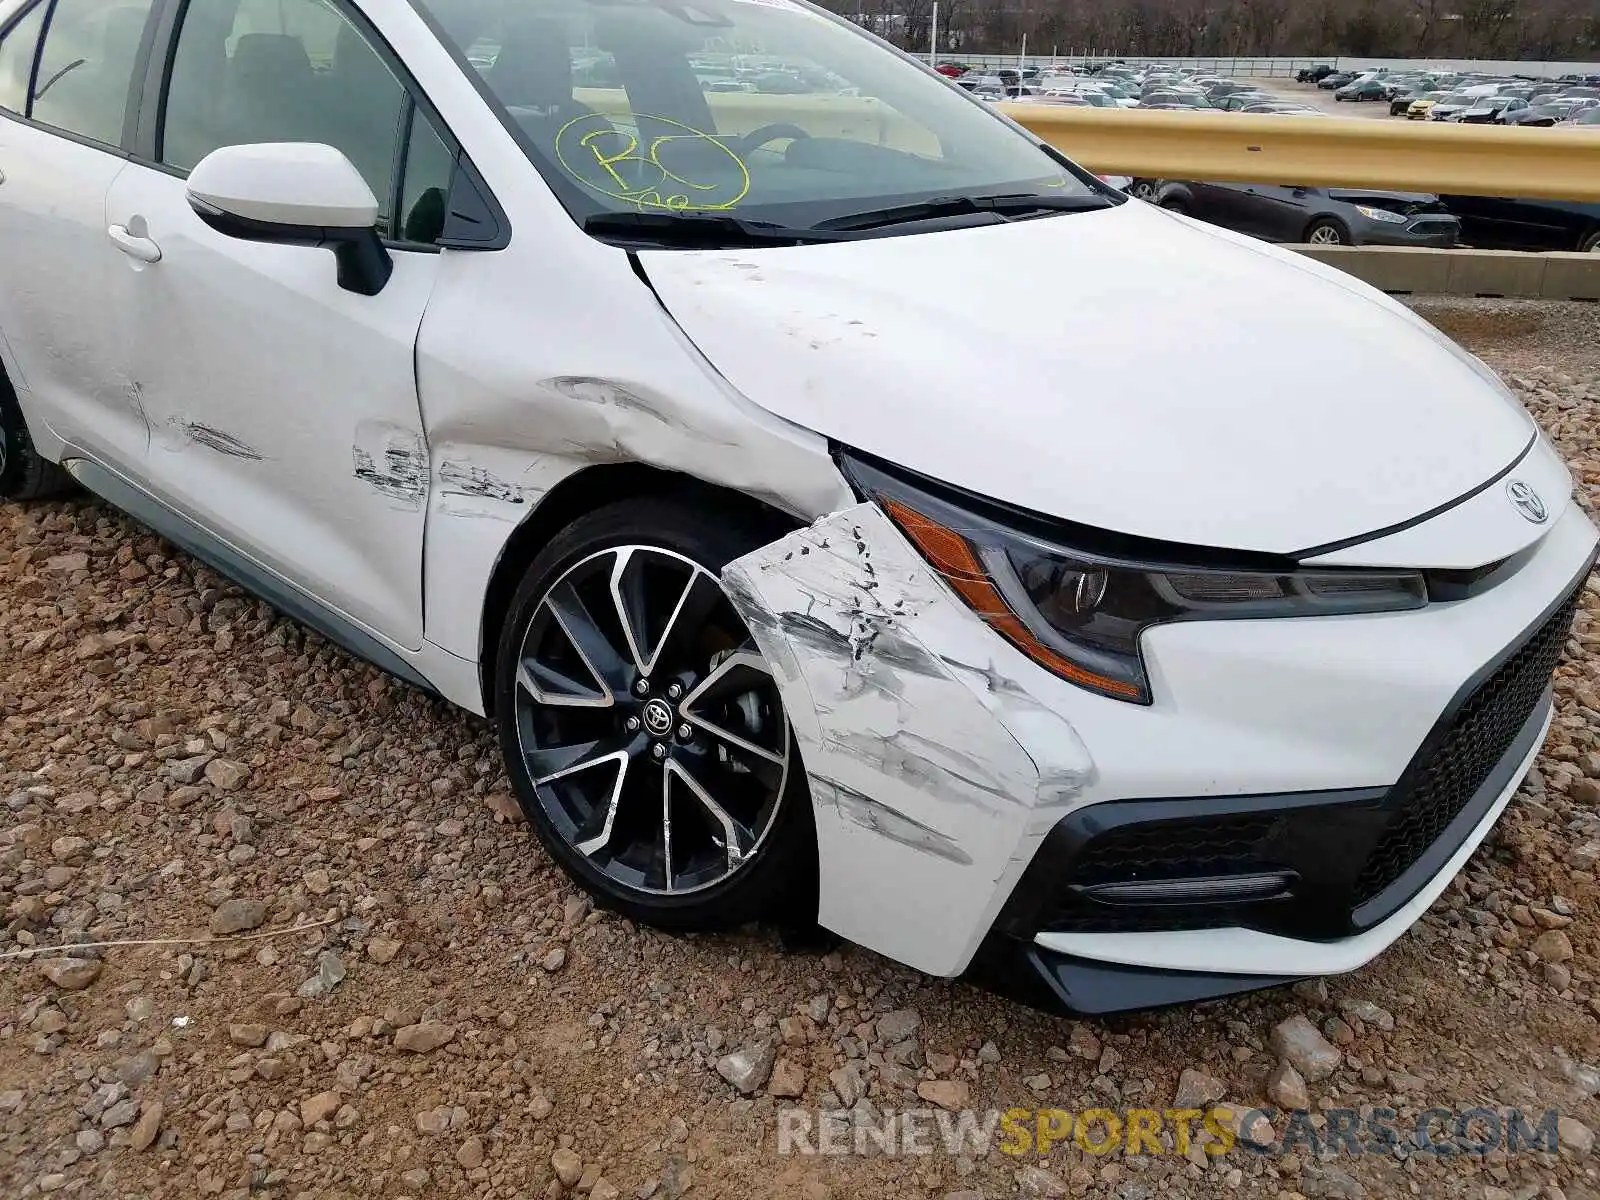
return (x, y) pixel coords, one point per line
(1054, 983)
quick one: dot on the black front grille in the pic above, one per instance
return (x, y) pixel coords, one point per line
(1450, 772)
(1353, 856)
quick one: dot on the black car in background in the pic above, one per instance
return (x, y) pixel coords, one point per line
(1365, 89)
(1318, 216)
(1404, 99)
(1543, 113)
(1506, 223)
(1314, 74)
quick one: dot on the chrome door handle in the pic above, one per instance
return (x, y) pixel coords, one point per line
(141, 248)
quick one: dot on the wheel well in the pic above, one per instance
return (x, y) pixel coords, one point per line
(575, 495)
(1326, 219)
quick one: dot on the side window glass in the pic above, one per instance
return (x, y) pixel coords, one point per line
(16, 59)
(248, 71)
(86, 65)
(425, 190)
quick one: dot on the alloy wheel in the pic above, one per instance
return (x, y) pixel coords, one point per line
(1325, 235)
(649, 724)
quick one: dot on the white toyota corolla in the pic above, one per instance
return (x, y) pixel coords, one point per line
(678, 383)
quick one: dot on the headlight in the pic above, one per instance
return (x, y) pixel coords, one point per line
(1079, 609)
(1381, 214)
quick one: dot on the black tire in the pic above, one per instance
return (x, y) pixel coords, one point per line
(24, 475)
(776, 878)
(1173, 204)
(1326, 231)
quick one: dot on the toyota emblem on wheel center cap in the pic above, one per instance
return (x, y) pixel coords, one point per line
(1527, 501)
(658, 718)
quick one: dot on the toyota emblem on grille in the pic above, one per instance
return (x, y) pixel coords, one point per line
(1527, 501)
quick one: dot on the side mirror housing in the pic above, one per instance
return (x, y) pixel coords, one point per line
(295, 194)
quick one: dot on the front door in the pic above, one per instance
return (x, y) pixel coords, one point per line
(62, 112)
(284, 409)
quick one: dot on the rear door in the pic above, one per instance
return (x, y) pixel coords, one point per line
(68, 70)
(1282, 213)
(1243, 206)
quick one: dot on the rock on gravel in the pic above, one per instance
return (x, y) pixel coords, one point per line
(226, 776)
(1287, 1088)
(749, 1068)
(1298, 1042)
(248, 1034)
(148, 1125)
(70, 974)
(238, 916)
(1552, 946)
(948, 1094)
(1196, 1089)
(423, 1037)
(897, 1026)
(1035, 1183)
(1330, 1183)
(320, 1107)
(567, 1165)
(1574, 1137)
(788, 1079)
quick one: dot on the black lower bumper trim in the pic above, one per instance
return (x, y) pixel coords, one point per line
(1052, 982)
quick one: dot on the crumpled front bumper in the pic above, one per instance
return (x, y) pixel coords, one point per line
(941, 758)
(933, 770)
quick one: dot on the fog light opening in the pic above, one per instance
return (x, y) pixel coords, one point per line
(1264, 885)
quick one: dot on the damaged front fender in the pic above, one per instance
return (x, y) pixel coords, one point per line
(934, 771)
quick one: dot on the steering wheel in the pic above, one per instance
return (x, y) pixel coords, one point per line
(758, 138)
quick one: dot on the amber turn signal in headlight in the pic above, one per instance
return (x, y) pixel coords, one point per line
(1081, 613)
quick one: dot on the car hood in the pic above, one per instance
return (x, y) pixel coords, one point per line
(1128, 369)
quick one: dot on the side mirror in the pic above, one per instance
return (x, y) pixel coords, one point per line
(295, 194)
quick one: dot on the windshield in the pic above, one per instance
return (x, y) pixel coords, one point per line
(770, 111)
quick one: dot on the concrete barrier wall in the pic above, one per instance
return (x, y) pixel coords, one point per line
(1414, 271)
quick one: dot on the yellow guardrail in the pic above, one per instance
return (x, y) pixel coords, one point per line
(1415, 156)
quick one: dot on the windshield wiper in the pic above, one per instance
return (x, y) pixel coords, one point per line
(703, 231)
(1010, 205)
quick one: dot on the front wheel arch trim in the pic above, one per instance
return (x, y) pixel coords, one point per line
(578, 493)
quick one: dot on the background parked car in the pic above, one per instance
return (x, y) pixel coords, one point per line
(1405, 97)
(1451, 106)
(1337, 80)
(1240, 101)
(1504, 223)
(1319, 216)
(1314, 74)
(1363, 89)
(1547, 112)
(1488, 109)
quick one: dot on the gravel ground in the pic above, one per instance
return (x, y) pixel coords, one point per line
(177, 761)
